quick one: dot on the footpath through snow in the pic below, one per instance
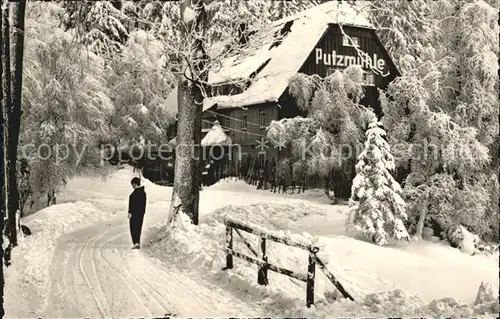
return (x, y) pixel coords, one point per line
(78, 262)
(80, 250)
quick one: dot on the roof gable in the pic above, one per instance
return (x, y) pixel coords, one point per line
(279, 51)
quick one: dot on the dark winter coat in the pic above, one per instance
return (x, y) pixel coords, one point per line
(137, 202)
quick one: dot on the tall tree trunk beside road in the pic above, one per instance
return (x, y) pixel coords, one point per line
(14, 119)
(2, 184)
(7, 105)
(183, 99)
(187, 162)
(5, 101)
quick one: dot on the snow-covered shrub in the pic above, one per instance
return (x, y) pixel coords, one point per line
(485, 304)
(484, 294)
(376, 204)
(393, 302)
(448, 205)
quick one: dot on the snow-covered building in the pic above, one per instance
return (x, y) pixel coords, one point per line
(250, 89)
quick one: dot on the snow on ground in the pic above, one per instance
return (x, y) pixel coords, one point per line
(387, 280)
(383, 280)
(32, 258)
(29, 273)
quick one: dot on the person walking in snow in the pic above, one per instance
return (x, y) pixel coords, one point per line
(136, 211)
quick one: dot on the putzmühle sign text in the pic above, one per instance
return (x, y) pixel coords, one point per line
(334, 59)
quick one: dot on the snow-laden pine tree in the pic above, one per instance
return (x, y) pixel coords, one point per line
(139, 86)
(334, 124)
(407, 29)
(443, 113)
(103, 26)
(376, 207)
(282, 9)
(66, 107)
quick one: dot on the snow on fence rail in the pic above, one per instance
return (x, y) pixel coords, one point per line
(260, 259)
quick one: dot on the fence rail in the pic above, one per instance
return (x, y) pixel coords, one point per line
(260, 257)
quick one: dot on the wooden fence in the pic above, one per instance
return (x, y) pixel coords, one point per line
(261, 259)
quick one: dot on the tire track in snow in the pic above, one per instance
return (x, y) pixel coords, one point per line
(65, 272)
(186, 289)
(60, 284)
(72, 272)
(87, 281)
(152, 283)
(144, 289)
(175, 292)
(164, 303)
(99, 287)
(99, 250)
(148, 283)
(98, 278)
(122, 277)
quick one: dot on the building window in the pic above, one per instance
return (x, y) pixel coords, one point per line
(352, 42)
(244, 120)
(207, 123)
(369, 78)
(262, 118)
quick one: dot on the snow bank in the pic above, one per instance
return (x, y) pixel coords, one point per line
(31, 260)
(201, 250)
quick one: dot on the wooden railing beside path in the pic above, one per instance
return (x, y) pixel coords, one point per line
(260, 257)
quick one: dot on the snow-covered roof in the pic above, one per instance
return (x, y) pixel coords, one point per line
(279, 63)
(216, 136)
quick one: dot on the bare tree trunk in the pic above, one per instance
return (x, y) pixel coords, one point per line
(14, 122)
(420, 224)
(10, 167)
(182, 104)
(51, 197)
(187, 164)
(3, 204)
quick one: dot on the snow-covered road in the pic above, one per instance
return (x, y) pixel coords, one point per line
(94, 273)
(82, 248)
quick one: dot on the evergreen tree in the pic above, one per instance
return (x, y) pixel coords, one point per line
(407, 29)
(66, 106)
(103, 26)
(334, 119)
(376, 206)
(444, 113)
(139, 86)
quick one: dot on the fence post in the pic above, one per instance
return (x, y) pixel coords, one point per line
(311, 273)
(262, 275)
(229, 246)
